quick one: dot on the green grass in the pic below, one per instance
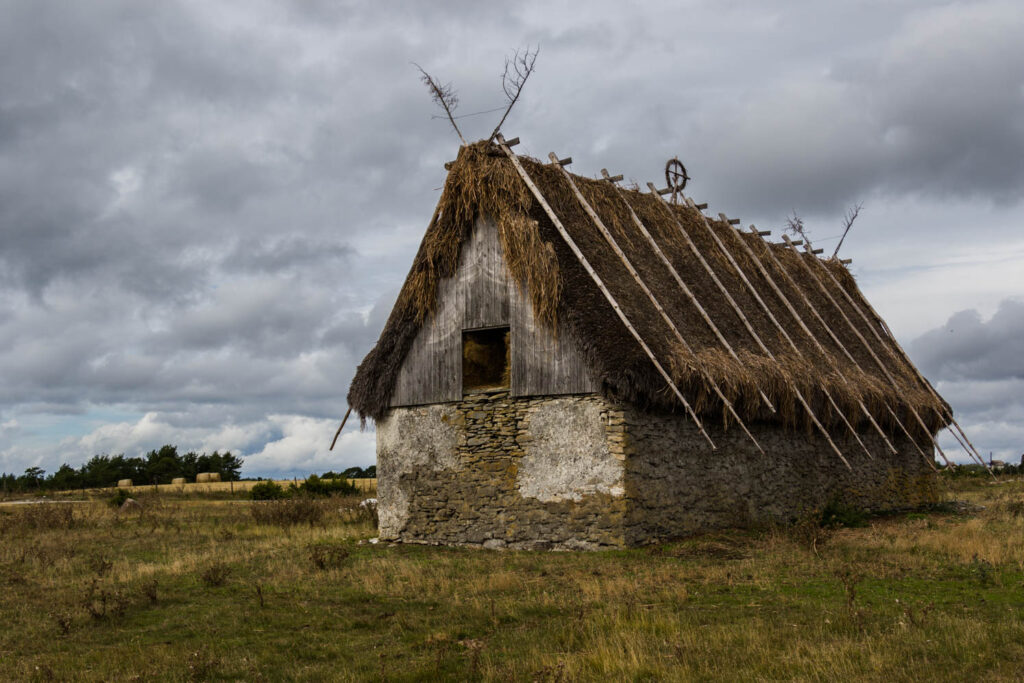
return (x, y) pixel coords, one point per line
(195, 589)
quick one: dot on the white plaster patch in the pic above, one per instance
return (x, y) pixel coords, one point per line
(410, 439)
(568, 457)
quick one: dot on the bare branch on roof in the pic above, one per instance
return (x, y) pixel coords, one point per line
(795, 226)
(444, 96)
(851, 216)
(518, 68)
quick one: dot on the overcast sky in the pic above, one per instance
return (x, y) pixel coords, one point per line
(207, 208)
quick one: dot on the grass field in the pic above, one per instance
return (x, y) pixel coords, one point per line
(193, 588)
(368, 486)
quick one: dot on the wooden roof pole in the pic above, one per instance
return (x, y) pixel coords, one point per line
(796, 316)
(686, 290)
(771, 316)
(842, 347)
(739, 312)
(896, 358)
(340, 427)
(650, 295)
(800, 321)
(906, 358)
(539, 196)
(864, 342)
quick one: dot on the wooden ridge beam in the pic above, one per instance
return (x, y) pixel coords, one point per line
(611, 179)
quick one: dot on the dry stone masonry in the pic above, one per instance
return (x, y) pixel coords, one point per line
(581, 472)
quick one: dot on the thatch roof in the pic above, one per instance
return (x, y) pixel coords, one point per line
(484, 182)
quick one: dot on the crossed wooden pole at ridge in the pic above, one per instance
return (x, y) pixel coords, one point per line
(891, 345)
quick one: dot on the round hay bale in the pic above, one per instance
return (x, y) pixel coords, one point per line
(207, 477)
(179, 481)
(124, 483)
(130, 504)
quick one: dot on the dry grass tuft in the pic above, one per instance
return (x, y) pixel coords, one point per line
(290, 511)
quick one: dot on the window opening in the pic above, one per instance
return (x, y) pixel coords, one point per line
(485, 359)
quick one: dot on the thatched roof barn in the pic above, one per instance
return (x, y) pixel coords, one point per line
(709, 359)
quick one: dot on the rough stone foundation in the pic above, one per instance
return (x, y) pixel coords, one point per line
(677, 486)
(581, 472)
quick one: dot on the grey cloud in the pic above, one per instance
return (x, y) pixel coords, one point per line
(285, 253)
(935, 111)
(969, 348)
(978, 367)
(206, 211)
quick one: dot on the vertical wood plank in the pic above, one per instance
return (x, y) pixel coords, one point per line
(483, 294)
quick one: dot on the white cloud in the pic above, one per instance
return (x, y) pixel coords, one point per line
(276, 445)
(303, 447)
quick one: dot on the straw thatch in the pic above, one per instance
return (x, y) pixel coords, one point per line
(483, 183)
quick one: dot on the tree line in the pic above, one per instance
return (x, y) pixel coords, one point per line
(352, 473)
(156, 467)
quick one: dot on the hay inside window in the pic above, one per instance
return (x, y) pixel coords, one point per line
(485, 359)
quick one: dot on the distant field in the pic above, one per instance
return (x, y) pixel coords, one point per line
(368, 485)
(200, 588)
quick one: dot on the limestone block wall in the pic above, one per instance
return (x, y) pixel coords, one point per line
(677, 486)
(503, 472)
(582, 472)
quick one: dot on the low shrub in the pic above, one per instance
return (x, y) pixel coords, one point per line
(316, 486)
(119, 497)
(837, 514)
(288, 512)
(267, 490)
(39, 516)
(215, 575)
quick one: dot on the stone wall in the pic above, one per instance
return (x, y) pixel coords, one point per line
(503, 472)
(676, 485)
(580, 472)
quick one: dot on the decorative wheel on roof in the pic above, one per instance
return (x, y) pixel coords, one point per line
(675, 177)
